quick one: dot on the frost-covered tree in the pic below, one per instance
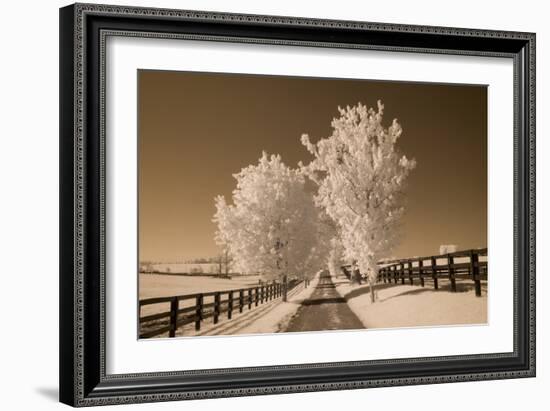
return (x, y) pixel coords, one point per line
(335, 256)
(272, 227)
(361, 175)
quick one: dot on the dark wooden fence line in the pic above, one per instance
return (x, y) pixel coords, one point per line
(237, 299)
(431, 267)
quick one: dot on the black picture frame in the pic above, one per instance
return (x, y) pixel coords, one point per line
(83, 380)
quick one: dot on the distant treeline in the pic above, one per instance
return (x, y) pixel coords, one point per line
(191, 274)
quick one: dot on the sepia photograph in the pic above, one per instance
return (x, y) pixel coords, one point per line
(280, 204)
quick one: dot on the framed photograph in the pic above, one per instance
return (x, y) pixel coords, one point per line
(261, 204)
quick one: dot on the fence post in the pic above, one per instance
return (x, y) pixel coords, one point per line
(285, 288)
(402, 273)
(474, 268)
(229, 304)
(434, 272)
(420, 273)
(198, 312)
(394, 273)
(241, 300)
(174, 306)
(216, 307)
(250, 298)
(256, 296)
(450, 261)
(262, 292)
(409, 264)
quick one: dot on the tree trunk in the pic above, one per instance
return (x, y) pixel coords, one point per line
(371, 286)
(357, 276)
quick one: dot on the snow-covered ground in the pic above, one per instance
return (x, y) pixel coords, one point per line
(186, 268)
(159, 285)
(406, 305)
(270, 317)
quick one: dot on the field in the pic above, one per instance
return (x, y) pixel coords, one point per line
(407, 305)
(159, 285)
(269, 317)
(336, 304)
(186, 268)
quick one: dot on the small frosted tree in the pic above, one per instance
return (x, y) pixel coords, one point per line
(360, 176)
(272, 226)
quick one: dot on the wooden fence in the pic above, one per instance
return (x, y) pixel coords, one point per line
(467, 264)
(195, 308)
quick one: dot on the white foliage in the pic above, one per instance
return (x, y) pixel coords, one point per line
(361, 175)
(272, 227)
(335, 257)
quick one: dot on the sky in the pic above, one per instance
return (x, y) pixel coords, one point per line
(198, 129)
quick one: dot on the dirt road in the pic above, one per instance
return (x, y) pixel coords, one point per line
(324, 310)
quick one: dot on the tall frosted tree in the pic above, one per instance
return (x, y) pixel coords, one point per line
(272, 226)
(360, 176)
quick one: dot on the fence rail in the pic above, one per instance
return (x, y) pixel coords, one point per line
(195, 308)
(466, 264)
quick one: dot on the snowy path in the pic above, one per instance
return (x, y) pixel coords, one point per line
(324, 310)
(271, 317)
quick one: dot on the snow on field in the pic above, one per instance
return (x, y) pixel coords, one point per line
(406, 305)
(159, 285)
(186, 268)
(271, 317)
